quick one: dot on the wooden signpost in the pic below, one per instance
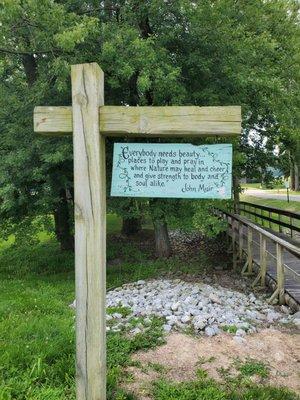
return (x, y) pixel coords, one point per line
(90, 121)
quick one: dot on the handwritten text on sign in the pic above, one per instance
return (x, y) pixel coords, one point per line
(172, 170)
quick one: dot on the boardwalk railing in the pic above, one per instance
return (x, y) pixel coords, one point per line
(273, 255)
(277, 219)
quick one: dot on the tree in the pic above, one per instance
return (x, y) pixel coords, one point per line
(213, 52)
(36, 175)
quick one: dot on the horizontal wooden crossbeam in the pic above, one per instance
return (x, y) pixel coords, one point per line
(146, 121)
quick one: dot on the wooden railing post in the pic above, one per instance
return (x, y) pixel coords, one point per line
(250, 250)
(241, 240)
(263, 259)
(234, 246)
(280, 273)
(90, 231)
(279, 223)
(255, 217)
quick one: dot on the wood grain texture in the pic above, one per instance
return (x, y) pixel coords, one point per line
(280, 273)
(90, 232)
(241, 241)
(250, 250)
(146, 121)
(263, 259)
(234, 245)
(288, 266)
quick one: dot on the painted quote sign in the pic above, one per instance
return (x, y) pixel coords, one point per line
(172, 170)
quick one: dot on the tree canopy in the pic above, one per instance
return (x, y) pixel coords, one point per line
(153, 52)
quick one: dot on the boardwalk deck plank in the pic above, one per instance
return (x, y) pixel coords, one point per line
(292, 262)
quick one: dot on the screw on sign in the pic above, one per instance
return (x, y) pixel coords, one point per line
(90, 122)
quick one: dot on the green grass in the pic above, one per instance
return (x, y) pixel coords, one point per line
(293, 206)
(204, 388)
(37, 326)
(256, 185)
(252, 367)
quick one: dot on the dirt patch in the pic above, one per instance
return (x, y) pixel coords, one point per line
(179, 359)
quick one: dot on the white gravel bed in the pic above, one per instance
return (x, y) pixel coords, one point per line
(197, 307)
(201, 307)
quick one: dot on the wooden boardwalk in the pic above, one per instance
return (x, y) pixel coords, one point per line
(275, 254)
(291, 262)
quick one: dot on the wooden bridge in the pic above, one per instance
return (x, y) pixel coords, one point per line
(268, 254)
(278, 220)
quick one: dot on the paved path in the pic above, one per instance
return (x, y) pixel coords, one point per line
(268, 195)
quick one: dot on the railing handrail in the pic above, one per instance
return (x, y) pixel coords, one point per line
(287, 245)
(273, 209)
(272, 220)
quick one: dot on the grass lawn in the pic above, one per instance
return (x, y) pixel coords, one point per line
(255, 185)
(293, 206)
(37, 327)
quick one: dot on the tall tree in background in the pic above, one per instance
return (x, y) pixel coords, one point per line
(219, 52)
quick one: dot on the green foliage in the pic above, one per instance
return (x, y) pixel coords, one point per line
(209, 389)
(205, 220)
(202, 389)
(37, 332)
(201, 373)
(37, 326)
(230, 328)
(252, 367)
(124, 311)
(154, 53)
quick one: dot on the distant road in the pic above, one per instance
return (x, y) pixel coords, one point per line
(267, 195)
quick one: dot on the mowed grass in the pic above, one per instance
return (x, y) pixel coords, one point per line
(293, 206)
(37, 334)
(37, 331)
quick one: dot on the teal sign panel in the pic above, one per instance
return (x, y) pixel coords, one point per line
(172, 170)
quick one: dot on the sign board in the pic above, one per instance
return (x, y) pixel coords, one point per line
(286, 184)
(172, 170)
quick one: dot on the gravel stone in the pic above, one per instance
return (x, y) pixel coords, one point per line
(200, 305)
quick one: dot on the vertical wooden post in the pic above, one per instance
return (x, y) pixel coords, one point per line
(90, 231)
(280, 273)
(263, 259)
(250, 250)
(279, 220)
(241, 240)
(255, 217)
(234, 246)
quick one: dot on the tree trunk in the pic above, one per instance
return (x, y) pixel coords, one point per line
(296, 175)
(292, 173)
(131, 226)
(236, 195)
(162, 240)
(30, 68)
(62, 223)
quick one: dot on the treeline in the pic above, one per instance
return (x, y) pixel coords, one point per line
(210, 52)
